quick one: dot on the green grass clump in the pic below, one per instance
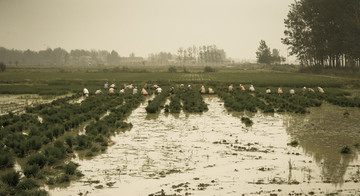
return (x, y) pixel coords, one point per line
(193, 102)
(26, 184)
(70, 168)
(247, 121)
(37, 159)
(293, 143)
(155, 104)
(55, 153)
(11, 178)
(6, 159)
(31, 170)
(166, 108)
(345, 150)
(175, 105)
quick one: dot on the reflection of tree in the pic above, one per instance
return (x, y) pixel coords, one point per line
(322, 134)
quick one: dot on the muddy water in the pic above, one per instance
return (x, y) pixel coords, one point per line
(215, 154)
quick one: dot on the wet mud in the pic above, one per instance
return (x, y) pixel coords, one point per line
(214, 153)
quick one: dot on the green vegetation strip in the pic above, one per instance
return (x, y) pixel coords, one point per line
(193, 101)
(158, 102)
(175, 105)
(41, 147)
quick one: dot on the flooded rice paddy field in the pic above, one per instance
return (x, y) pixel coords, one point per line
(215, 154)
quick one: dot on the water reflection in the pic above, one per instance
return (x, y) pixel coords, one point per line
(322, 134)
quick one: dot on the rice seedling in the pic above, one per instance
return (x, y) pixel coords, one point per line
(193, 102)
(247, 121)
(175, 105)
(31, 170)
(26, 184)
(293, 143)
(11, 178)
(70, 168)
(155, 104)
(345, 150)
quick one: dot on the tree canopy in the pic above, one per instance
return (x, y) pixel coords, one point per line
(60, 57)
(264, 55)
(324, 33)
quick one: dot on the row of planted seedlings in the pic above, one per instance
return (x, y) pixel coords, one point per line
(300, 101)
(341, 98)
(157, 103)
(192, 100)
(175, 103)
(98, 133)
(21, 136)
(240, 101)
(297, 103)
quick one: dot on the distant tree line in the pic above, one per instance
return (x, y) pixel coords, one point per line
(324, 33)
(161, 58)
(201, 54)
(60, 57)
(191, 55)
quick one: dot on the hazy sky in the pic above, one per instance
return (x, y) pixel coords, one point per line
(143, 26)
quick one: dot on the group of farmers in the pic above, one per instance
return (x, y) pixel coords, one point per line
(279, 90)
(111, 89)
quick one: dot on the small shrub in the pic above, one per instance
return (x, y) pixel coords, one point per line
(26, 184)
(166, 110)
(62, 178)
(50, 181)
(122, 125)
(294, 143)
(54, 154)
(4, 190)
(89, 154)
(69, 141)
(34, 143)
(6, 160)
(37, 159)
(95, 148)
(83, 142)
(345, 150)
(11, 178)
(31, 170)
(52, 160)
(70, 168)
(247, 121)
